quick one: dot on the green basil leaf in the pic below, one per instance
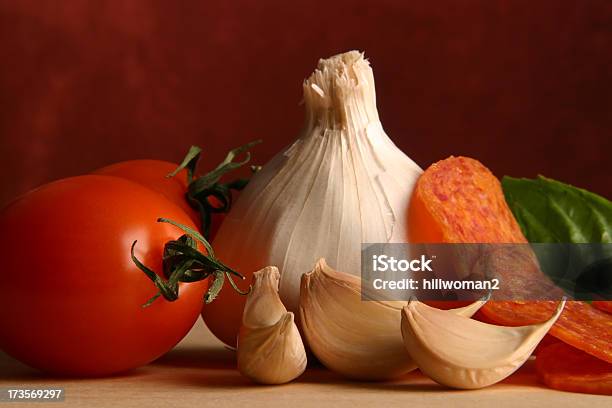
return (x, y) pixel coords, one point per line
(550, 211)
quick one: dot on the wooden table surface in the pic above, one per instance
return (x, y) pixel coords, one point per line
(201, 372)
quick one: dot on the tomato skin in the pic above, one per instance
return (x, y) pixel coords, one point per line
(224, 315)
(152, 174)
(71, 298)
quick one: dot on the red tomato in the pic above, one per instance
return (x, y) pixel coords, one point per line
(152, 174)
(70, 296)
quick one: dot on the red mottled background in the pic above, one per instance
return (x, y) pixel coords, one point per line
(523, 86)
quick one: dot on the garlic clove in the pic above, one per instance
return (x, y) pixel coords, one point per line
(270, 349)
(358, 339)
(471, 309)
(263, 306)
(272, 355)
(463, 353)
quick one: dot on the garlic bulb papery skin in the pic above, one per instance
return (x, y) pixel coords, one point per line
(467, 354)
(340, 184)
(270, 349)
(359, 339)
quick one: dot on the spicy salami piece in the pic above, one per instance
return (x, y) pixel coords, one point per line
(458, 200)
(546, 342)
(580, 324)
(563, 367)
(605, 305)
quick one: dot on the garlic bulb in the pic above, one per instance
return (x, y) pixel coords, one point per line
(341, 183)
(270, 349)
(463, 353)
(358, 339)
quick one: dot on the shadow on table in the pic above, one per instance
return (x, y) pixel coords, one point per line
(413, 381)
(14, 372)
(227, 377)
(416, 381)
(198, 357)
(212, 367)
(215, 367)
(208, 368)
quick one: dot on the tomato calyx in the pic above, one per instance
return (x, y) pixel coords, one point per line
(206, 193)
(183, 262)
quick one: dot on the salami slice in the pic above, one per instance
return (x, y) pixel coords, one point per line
(546, 342)
(604, 305)
(580, 324)
(563, 367)
(458, 200)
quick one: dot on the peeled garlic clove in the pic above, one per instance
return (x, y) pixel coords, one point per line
(272, 355)
(358, 339)
(471, 309)
(270, 349)
(463, 353)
